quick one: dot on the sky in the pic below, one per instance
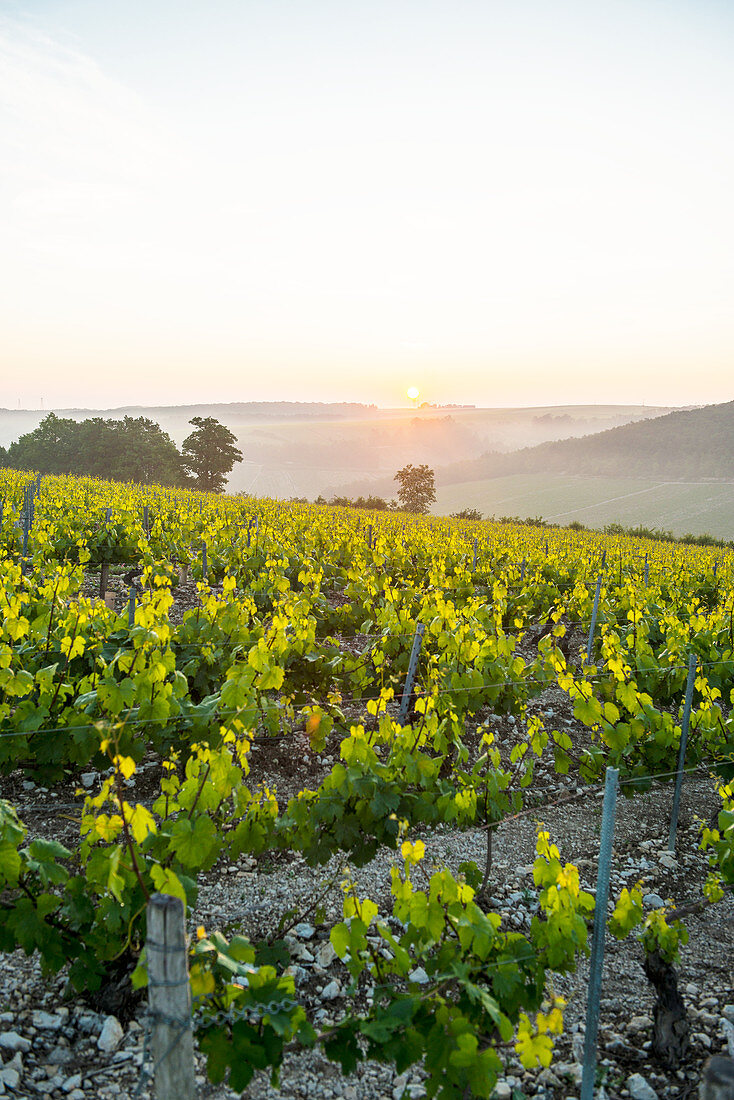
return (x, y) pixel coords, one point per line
(499, 203)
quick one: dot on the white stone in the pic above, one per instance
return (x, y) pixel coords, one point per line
(502, 1091)
(11, 1040)
(418, 975)
(304, 931)
(89, 1022)
(729, 1036)
(325, 955)
(577, 1045)
(399, 1085)
(302, 953)
(728, 1013)
(45, 1086)
(667, 860)
(639, 1023)
(639, 1088)
(45, 1021)
(653, 901)
(10, 1077)
(331, 991)
(88, 779)
(570, 1069)
(60, 1056)
(111, 1035)
(72, 1083)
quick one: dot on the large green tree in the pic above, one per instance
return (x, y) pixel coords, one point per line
(143, 452)
(417, 487)
(51, 449)
(209, 454)
(132, 449)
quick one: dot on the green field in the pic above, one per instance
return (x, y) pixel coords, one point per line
(677, 506)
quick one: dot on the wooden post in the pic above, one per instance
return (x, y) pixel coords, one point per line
(169, 999)
(103, 577)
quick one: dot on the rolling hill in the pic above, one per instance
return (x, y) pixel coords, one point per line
(683, 445)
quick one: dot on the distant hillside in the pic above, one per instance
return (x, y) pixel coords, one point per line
(293, 448)
(691, 444)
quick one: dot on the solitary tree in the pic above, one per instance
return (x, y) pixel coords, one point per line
(417, 487)
(209, 453)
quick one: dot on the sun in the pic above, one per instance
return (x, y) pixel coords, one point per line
(414, 393)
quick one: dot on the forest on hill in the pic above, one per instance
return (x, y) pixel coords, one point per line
(690, 444)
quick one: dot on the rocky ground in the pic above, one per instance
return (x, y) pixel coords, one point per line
(55, 1047)
(61, 1047)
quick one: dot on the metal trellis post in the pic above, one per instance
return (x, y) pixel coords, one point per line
(413, 664)
(692, 661)
(600, 926)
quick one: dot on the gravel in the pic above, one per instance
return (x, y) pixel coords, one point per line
(55, 1047)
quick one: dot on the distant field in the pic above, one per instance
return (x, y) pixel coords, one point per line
(680, 507)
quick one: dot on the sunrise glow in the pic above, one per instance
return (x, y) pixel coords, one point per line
(525, 204)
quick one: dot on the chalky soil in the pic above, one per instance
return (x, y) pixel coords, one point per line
(51, 1046)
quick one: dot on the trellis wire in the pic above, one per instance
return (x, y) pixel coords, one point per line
(443, 692)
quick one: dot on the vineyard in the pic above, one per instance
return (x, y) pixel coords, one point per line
(377, 708)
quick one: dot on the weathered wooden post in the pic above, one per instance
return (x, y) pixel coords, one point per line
(169, 999)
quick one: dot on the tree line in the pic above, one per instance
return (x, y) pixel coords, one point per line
(132, 449)
(416, 492)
